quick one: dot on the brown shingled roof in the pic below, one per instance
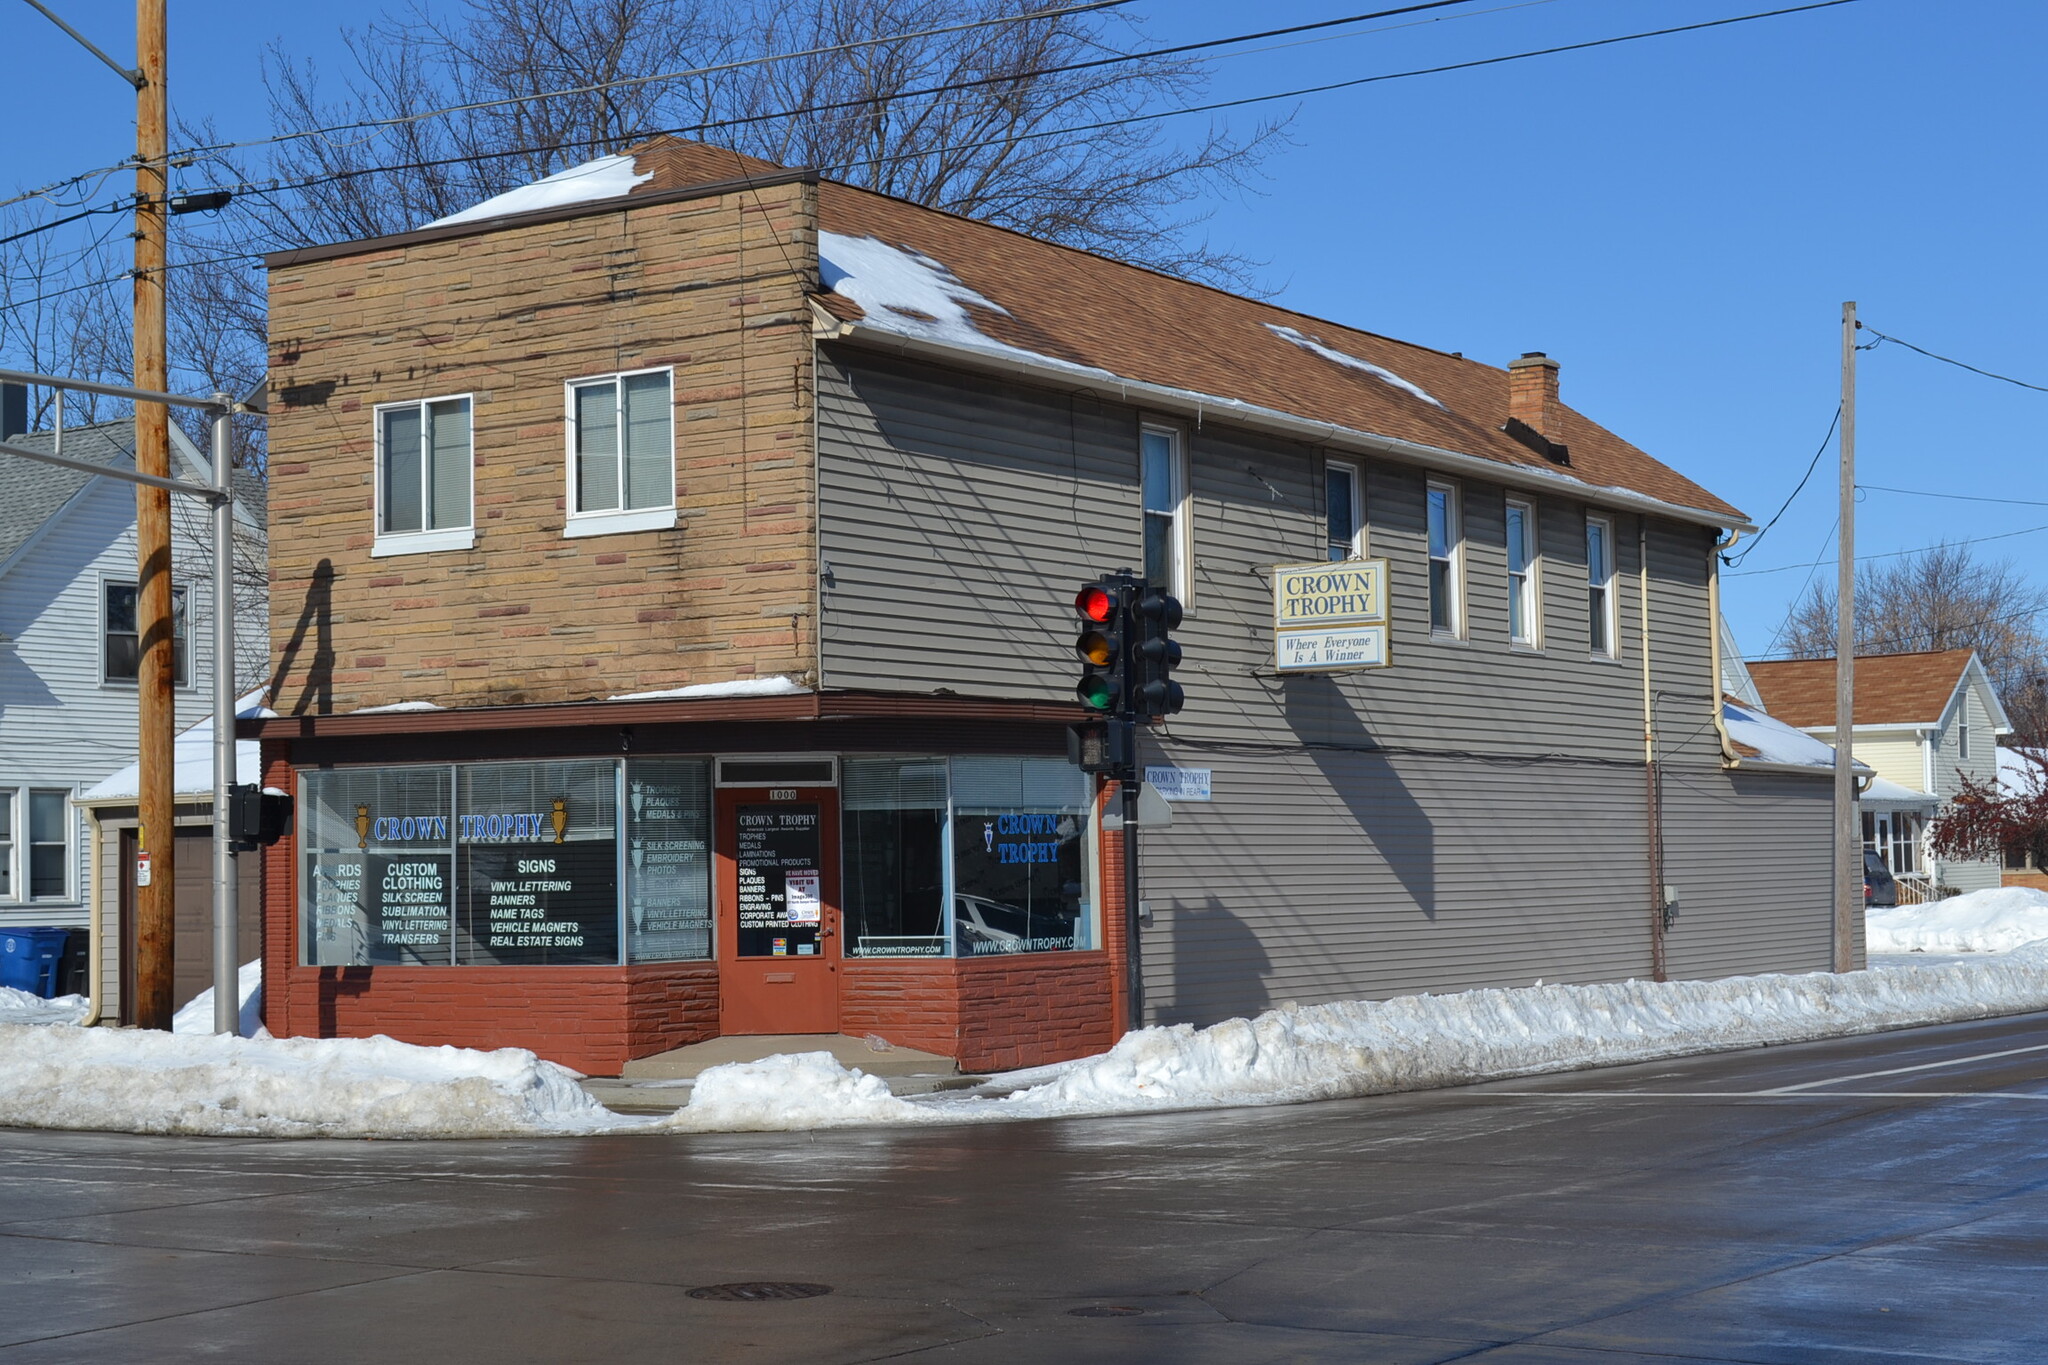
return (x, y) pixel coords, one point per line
(1891, 689)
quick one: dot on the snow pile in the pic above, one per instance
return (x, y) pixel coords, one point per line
(1298, 1053)
(396, 706)
(23, 1007)
(136, 1081)
(1350, 362)
(192, 760)
(197, 1016)
(787, 1093)
(738, 687)
(1993, 921)
(608, 177)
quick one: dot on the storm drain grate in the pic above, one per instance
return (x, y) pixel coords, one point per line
(1105, 1310)
(759, 1291)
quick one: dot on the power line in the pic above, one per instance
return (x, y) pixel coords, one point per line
(61, 222)
(1812, 465)
(1891, 554)
(1064, 131)
(1953, 497)
(1946, 360)
(1891, 642)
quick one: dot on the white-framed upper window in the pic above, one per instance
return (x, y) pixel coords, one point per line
(1343, 511)
(1163, 485)
(622, 454)
(121, 640)
(1600, 585)
(425, 457)
(1963, 732)
(35, 844)
(1446, 562)
(1525, 623)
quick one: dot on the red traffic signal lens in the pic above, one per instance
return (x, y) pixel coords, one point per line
(1095, 692)
(1095, 602)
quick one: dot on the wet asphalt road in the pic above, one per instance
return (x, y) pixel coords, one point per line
(1667, 1213)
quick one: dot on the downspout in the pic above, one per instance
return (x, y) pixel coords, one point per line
(1653, 801)
(96, 967)
(1728, 755)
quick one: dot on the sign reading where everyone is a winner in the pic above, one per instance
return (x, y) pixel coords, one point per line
(1331, 616)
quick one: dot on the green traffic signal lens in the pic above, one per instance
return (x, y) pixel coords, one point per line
(1095, 692)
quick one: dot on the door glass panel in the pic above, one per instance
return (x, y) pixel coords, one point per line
(779, 876)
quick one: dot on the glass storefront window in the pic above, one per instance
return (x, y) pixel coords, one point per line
(893, 873)
(1019, 830)
(668, 860)
(537, 863)
(378, 851)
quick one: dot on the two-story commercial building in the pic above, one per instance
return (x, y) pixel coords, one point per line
(672, 569)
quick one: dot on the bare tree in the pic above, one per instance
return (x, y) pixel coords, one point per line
(1943, 598)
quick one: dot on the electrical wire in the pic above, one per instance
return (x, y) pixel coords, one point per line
(1946, 360)
(1953, 497)
(1812, 465)
(273, 187)
(1890, 642)
(1890, 554)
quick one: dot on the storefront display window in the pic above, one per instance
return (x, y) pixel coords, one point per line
(668, 860)
(537, 863)
(893, 840)
(379, 866)
(1019, 826)
(505, 864)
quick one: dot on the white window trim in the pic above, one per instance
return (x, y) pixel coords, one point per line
(385, 544)
(611, 521)
(1183, 542)
(1532, 575)
(1454, 534)
(1609, 575)
(1358, 533)
(191, 635)
(18, 847)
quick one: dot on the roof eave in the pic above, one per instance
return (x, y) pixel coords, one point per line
(1167, 399)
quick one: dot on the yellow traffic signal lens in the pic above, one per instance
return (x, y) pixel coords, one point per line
(1096, 647)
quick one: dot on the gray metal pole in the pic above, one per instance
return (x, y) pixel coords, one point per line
(1134, 980)
(227, 966)
(1848, 838)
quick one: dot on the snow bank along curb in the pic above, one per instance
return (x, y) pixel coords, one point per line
(1991, 921)
(67, 1077)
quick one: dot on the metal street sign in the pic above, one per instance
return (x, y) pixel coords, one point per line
(1330, 616)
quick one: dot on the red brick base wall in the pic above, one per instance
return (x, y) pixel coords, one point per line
(992, 1014)
(2037, 880)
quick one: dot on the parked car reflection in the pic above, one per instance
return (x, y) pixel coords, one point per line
(1880, 890)
(982, 926)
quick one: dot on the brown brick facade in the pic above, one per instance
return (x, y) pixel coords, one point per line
(715, 287)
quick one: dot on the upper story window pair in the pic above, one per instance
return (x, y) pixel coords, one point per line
(620, 463)
(1524, 565)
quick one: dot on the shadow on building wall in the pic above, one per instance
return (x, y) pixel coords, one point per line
(316, 687)
(1219, 966)
(1365, 780)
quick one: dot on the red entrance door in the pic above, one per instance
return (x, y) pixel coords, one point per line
(778, 909)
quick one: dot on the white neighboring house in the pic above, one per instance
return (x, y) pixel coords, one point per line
(1924, 722)
(68, 646)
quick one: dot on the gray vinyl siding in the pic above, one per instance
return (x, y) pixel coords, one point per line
(1949, 769)
(1475, 814)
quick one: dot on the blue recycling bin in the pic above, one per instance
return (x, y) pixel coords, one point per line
(29, 958)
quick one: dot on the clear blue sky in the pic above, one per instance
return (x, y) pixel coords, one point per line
(1676, 220)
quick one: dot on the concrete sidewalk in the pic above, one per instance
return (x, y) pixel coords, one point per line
(661, 1084)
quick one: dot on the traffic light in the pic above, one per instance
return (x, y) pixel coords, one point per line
(257, 816)
(1104, 645)
(1155, 654)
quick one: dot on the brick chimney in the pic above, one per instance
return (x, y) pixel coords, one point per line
(1532, 393)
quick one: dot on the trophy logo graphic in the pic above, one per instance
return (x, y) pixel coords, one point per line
(560, 818)
(362, 826)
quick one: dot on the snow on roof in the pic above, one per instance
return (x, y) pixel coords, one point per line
(395, 706)
(608, 177)
(191, 761)
(738, 687)
(905, 291)
(2021, 771)
(1774, 740)
(1885, 792)
(1351, 362)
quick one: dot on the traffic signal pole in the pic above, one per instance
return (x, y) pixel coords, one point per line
(1134, 972)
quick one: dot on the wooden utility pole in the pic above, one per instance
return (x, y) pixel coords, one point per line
(155, 909)
(1848, 838)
